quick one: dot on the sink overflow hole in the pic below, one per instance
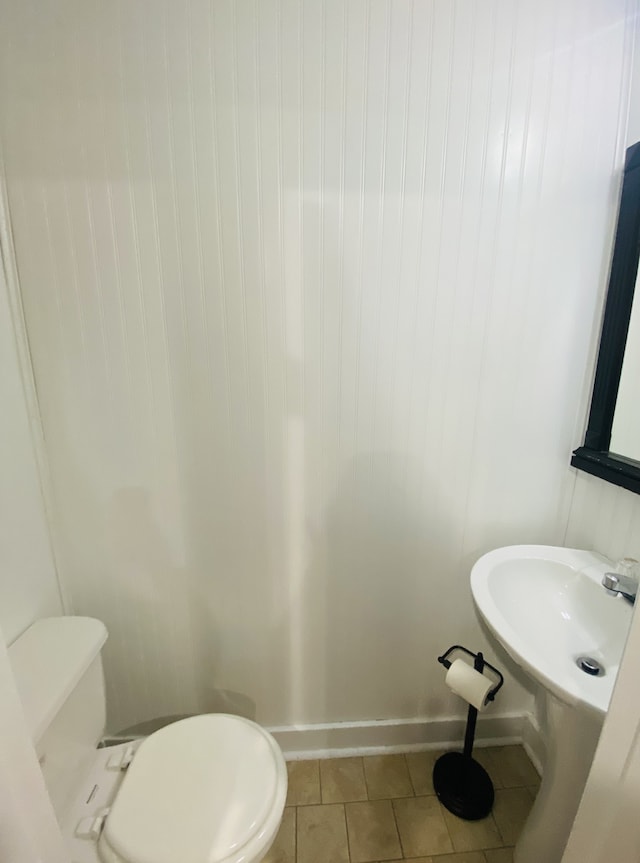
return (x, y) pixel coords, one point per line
(589, 665)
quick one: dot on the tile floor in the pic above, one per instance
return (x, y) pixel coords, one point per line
(383, 807)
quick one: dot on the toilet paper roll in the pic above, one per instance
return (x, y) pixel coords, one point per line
(468, 683)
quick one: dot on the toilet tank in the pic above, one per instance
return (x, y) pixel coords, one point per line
(58, 671)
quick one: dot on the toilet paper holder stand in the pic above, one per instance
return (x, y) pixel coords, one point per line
(479, 664)
(462, 785)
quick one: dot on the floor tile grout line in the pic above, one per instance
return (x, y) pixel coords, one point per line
(366, 783)
(446, 826)
(346, 827)
(295, 834)
(500, 833)
(317, 760)
(406, 761)
(381, 799)
(395, 821)
(364, 777)
(346, 830)
(395, 824)
(320, 782)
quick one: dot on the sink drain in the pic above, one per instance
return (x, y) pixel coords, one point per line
(590, 666)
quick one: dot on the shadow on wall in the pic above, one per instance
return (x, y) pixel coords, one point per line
(369, 612)
(367, 605)
(333, 610)
(167, 666)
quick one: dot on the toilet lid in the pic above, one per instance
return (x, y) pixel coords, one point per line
(196, 792)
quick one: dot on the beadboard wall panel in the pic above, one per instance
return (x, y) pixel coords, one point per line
(602, 516)
(309, 288)
(28, 579)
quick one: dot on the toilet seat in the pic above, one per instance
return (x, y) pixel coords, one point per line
(207, 789)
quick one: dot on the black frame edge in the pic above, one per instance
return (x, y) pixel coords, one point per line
(594, 456)
(614, 469)
(619, 302)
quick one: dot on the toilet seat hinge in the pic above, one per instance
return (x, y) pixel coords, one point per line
(120, 760)
(90, 828)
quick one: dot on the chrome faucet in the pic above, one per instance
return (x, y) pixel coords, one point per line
(625, 585)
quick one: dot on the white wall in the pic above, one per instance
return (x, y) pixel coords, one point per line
(28, 829)
(607, 518)
(625, 434)
(28, 583)
(626, 426)
(603, 516)
(309, 289)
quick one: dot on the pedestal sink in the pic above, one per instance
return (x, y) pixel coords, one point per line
(547, 608)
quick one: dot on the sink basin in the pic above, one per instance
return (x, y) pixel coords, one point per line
(547, 608)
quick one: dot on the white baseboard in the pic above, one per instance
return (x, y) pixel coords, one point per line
(405, 735)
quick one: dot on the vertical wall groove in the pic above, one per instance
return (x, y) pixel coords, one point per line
(310, 291)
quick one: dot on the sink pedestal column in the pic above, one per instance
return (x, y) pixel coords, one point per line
(571, 736)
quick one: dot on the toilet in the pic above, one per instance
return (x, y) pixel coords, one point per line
(206, 789)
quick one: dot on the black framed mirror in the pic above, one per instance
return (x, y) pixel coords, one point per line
(615, 408)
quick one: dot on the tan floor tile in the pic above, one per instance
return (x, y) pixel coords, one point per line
(283, 849)
(486, 757)
(513, 767)
(342, 780)
(420, 766)
(510, 811)
(422, 827)
(472, 835)
(322, 834)
(372, 831)
(413, 860)
(304, 783)
(466, 857)
(499, 855)
(387, 776)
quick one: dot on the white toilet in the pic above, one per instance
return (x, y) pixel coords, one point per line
(207, 789)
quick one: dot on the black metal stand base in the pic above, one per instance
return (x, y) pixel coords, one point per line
(463, 786)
